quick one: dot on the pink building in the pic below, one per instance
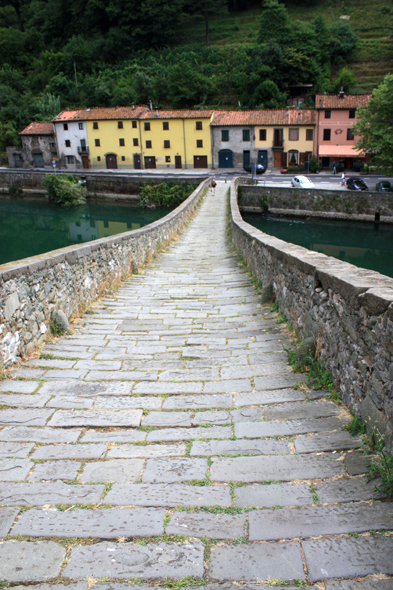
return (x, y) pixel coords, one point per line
(336, 115)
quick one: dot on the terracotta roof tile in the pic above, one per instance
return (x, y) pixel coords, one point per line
(101, 114)
(38, 128)
(350, 101)
(265, 117)
(177, 114)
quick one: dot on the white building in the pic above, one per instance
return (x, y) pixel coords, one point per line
(71, 139)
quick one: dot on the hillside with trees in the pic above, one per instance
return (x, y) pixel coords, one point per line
(181, 53)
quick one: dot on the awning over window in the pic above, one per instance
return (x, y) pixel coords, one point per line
(340, 151)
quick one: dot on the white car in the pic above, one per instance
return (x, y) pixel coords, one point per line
(301, 182)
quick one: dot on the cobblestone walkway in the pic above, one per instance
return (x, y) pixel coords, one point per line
(164, 439)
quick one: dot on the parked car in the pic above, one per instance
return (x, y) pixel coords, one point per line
(259, 168)
(301, 182)
(383, 186)
(356, 184)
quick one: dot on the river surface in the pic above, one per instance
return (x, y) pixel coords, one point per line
(358, 243)
(34, 226)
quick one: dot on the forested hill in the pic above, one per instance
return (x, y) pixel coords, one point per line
(182, 53)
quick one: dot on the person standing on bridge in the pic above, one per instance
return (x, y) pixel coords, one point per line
(343, 179)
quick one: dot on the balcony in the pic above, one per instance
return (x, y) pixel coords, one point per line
(278, 143)
(83, 149)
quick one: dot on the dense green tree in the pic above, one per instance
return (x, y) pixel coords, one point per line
(268, 96)
(345, 79)
(274, 22)
(375, 124)
(205, 8)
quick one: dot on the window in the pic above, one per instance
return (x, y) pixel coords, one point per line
(293, 157)
(67, 143)
(350, 134)
(120, 124)
(198, 125)
(65, 126)
(199, 143)
(246, 135)
(167, 158)
(165, 126)
(148, 144)
(309, 134)
(53, 148)
(225, 135)
(83, 144)
(262, 135)
(328, 114)
(95, 125)
(135, 141)
(70, 160)
(121, 142)
(98, 158)
(293, 135)
(123, 158)
(352, 114)
(147, 126)
(167, 143)
(80, 125)
(97, 142)
(326, 135)
(134, 124)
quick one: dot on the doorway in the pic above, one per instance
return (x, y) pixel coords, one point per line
(246, 158)
(178, 162)
(150, 162)
(137, 162)
(262, 157)
(85, 161)
(111, 161)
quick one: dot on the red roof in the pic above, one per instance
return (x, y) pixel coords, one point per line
(38, 128)
(177, 114)
(265, 117)
(101, 114)
(349, 101)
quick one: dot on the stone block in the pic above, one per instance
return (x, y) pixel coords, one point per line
(171, 388)
(78, 451)
(326, 441)
(128, 402)
(131, 560)
(163, 419)
(89, 389)
(169, 495)
(272, 495)
(126, 375)
(203, 524)
(247, 415)
(14, 469)
(40, 494)
(25, 401)
(216, 417)
(24, 417)
(70, 402)
(278, 382)
(98, 418)
(174, 434)
(285, 427)
(12, 449)
(41, 435)
(269, 397)
(115, 470)
(367, 584)
(354, 489)
(355, 463)
(303, 410)
(24, 561)
(152, 451)
(55, 470)
(256, 562)
(7, 517)
(174, 470)
(239, 447)
(102, 523)
(227, 386)
(198, 401)
(114, 436)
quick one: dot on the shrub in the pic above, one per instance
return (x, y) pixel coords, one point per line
(64, 190)
(314, 165)
(166, 194)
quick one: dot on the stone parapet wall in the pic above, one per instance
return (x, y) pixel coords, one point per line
(291, 201)
(348, 310)
(70, 278)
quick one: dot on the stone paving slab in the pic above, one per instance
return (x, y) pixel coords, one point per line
(23, 561)
(239, 447)
(76, 586)
(175, 434)
(281, 561)
(70, 402)
(247, 415)
(40, 494)
(115, 470)
(223, 400)
(268, 397)
(169, 495)
(26, 401)
(272, 495)
(52, 363)
(40, 435)
(354, 489)
(288, 468)
(82, 388)
(102, 523)
(174, 470)
(142, 401)
(12, 449)
(78, 451)
(168, 387)
(123, 375)
(165, 419)
(312, 521)
(55, 470)
(278, 382)
(14, 469)
(348, 557)
(130, 418)
(113, 436)
(285, 427)
(149, 562)
(18, 386)
(7, 517)
(216, 417)
(203, 524)
(128, 451)
(303, 410)
(25, 417)
(238, 372)
(227, 385)
(367, 584)
(55, 374)
(326, 441)
(355, 463)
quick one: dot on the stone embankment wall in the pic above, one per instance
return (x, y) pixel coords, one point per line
(317, 202)
(70, 278)
(348, 311)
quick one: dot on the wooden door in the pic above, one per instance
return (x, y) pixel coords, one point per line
(111, 161)
(178, 162)
(150, 162)
(277, 159)
(284, 159)
(200, 161)
(137, 162)
(85, 161)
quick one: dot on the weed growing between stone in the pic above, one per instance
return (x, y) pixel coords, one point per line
(381, 466)
(184, 582)
(318, 377)
(356, 426)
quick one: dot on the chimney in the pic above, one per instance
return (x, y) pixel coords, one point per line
(156, 111)
(341, 94)
(133, 106)
(150, 105)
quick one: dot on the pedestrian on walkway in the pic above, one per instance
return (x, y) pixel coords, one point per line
(214, 184)
(343, 179)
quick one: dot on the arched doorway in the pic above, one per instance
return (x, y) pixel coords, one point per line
(225, 159)
(111, 161)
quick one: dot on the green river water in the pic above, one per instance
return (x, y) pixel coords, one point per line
(358, 243)
(33, 226)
